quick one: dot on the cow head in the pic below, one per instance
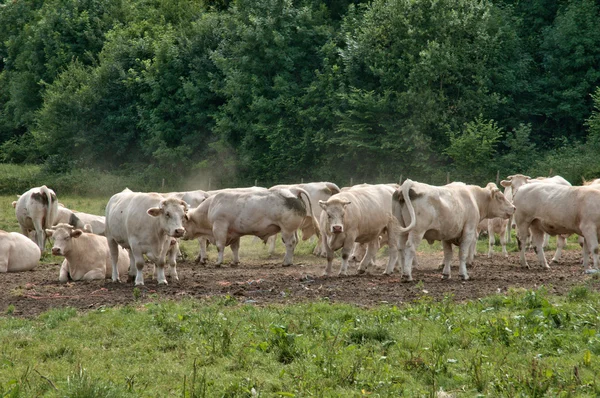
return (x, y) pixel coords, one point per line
(515, 182)
(335, 210)
(171, 214)
(62, 234)
(499, 205)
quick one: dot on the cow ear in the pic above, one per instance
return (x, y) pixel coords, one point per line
(155, 211)
(88, 228)
(49, 232)
(76, 233)
(323, 204)
(14, 203)
(346, 203)
(186, 217)
(505, 183)
(185, 205)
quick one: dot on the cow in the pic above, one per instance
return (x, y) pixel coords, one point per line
(17, 252)
(360, 214)
(203, 240)
(87, 256)
(144, 223)
(515, 182)
(228, 215)
(36, 210)
(557, 209)
(449, 214)
(79, 219)
(316, 191)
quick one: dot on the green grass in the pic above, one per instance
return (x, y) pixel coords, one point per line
(525, 343)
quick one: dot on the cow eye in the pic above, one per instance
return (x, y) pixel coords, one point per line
(168, 215)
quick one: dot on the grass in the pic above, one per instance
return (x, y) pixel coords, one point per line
(525, 343)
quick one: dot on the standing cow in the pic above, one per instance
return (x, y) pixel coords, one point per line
(36, 210)
(450, 213)
(316, 191)
(230, 214)
(17, 252)
(144, 223)
(360, 214)
(87, 256)
(557, 209)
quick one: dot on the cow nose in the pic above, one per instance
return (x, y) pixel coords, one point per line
(56, 251)
(336, 229)
(179, 232)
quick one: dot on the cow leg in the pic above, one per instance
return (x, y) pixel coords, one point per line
(94, 275)
(159, 263)
(235, 250)
(491, 239)
(506, 233)
(113, 247)
(346, 250)
(447, 259)
(329, 253)
(63, 274)
(172, 261)
(546, 240)
(586, 257)
(220, 235)
(522, 238)
(132, 271)
(590, 235)
(4, 264)
(291, 240)
(368, 257)
(201, 259)
(396, 254)
(272, 241)
(40, 234)
(410, 249)
(561, 242)
(138, 259)
(537, 238)
(503, 243)
(463, 253)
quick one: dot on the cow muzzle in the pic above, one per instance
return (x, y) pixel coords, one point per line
(178, 233)
(337, 229)
(56, 251)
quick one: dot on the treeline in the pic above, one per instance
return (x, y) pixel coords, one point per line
(283, 90)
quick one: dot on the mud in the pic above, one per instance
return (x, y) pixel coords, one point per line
(260, 282)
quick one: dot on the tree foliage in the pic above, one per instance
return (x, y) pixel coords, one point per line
(282, 90)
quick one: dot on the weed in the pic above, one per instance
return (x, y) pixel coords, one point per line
(578, 293)
(10, 309)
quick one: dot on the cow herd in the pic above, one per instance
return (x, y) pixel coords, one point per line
(357, 219)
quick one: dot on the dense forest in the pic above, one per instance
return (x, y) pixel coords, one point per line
(284, 90)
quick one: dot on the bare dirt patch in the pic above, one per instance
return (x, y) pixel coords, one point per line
(28, 294)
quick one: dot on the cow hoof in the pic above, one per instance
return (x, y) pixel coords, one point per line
(464, 277)
(360, 271)
(162, 283)
(234, 264)
(139, 284)
(287, 265)
(407, 280)
(445, 276)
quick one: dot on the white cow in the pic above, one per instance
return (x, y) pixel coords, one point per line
(144, 223)
(316, 191)
(17, 252)
(450, 214)
(515, 182)
(79, 219)
(360, 214)
(36, 210)
(87, 256)
(229, 215)
(203, 240)
(557, 209)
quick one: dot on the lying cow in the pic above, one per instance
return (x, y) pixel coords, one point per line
(557, 209)
(87, 256)
(17, 252)
(448, 213)
(316, 191)
(79, 219)
(229, 215)
(144, 223)
(36, 210)
(361, 214)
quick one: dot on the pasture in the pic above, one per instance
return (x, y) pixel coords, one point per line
(264, 330)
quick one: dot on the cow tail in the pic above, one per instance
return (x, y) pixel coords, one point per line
(52, 208)
(411, 210)
(312, 214)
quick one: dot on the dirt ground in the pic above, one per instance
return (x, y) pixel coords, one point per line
(27, 294)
